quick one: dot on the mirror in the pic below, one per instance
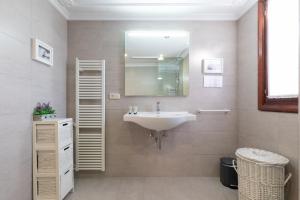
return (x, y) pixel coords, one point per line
(156, 63)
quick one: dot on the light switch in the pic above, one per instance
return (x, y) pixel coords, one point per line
(210, 81)
(114, 96)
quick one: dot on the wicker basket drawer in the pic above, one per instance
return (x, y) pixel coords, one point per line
(46, 188)
(66, 157)
(46, 161)
(65, 133)
(45, 134)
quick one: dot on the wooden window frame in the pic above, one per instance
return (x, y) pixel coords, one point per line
(289, 105)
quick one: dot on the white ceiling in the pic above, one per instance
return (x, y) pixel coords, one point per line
(153, 9)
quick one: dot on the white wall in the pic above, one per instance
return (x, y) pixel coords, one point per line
(23, 83)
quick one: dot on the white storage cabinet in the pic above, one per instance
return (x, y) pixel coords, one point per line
(52, 159)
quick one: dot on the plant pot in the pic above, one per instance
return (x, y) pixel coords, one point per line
(43, 117)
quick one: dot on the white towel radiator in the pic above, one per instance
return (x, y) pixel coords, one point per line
(90, 115)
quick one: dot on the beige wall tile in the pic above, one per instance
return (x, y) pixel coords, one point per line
(191, 149)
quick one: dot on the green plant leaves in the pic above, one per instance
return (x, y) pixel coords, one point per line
(43, 109)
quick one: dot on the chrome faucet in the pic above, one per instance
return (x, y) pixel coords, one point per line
(157, 107)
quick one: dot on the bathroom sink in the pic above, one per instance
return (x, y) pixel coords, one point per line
(159, 121)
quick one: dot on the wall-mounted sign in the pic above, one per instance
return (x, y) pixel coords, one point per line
(213, 81)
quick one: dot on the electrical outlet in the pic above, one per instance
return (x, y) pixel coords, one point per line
(114, 96)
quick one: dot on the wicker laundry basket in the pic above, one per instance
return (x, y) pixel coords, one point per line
(261, 174)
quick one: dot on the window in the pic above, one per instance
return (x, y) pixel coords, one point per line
(278, 55)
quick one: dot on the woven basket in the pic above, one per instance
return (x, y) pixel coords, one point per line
(261, 174)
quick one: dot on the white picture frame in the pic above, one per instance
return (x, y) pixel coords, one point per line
(42, 52)
(213, 66)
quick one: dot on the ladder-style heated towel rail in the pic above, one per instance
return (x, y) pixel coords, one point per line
(90, 115)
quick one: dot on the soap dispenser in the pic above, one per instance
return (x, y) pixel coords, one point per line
(130, 110)
(135, 110)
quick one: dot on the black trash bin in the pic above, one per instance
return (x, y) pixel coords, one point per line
(228, 175)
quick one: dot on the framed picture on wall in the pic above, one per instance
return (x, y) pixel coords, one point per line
(213, 66)
(42, 52)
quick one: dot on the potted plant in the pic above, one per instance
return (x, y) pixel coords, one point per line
(43, 111)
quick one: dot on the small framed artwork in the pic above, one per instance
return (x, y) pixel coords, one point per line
(213, 66)
(42, 52)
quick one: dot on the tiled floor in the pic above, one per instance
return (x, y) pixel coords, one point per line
(151, 188)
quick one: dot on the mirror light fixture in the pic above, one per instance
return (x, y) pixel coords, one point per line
(165, 34)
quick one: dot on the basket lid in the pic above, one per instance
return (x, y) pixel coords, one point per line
(261, 156)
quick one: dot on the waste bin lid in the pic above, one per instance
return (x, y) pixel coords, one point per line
(261, 156)
(227, 161)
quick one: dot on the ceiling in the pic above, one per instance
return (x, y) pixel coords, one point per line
(153, 9)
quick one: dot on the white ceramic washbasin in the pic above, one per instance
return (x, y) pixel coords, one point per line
(159, 121)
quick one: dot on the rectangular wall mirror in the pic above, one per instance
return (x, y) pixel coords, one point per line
(157, 63)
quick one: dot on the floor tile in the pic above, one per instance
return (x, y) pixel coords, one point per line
(150, 188)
